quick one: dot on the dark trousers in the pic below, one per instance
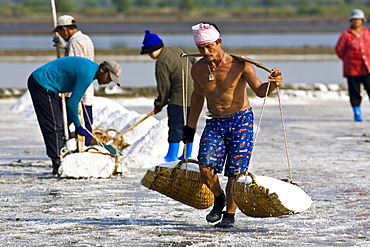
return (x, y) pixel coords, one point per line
(48, 109)
(354, 88)
(175, 122)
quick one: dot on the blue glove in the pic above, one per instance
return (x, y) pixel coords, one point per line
(188, 134)
(82, 131)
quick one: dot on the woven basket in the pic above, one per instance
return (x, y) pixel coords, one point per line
(255, 200)
(104, 136)
(182, 185)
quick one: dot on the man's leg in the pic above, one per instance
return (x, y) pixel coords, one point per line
(228, 218)
(47, 105)
(210, 179)
(88, 119)
(230, 204)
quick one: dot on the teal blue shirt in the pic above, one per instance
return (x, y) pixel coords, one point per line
(68, 74)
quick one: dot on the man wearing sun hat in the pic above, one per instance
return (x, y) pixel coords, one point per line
(64, 75)
(78, 45)
(168, 74)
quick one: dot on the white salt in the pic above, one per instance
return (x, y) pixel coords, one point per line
(291, 196)
(87, 165)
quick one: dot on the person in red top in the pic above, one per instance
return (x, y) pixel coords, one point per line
(353, 49)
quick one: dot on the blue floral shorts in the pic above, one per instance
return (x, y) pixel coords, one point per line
(227, 140)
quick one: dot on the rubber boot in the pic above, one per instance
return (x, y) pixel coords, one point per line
(218, 206)
(56, 164)
(189, 149)
(357, 113)
(173, 151)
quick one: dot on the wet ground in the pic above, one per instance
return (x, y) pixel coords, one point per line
(329, 156)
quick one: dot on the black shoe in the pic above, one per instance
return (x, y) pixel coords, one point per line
(56, 164)
(227, 221)
(216, 213)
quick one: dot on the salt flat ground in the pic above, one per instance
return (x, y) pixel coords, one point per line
(329, 156)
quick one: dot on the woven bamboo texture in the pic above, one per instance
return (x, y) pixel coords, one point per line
(104, 136)
(255, 201)
(179, 184)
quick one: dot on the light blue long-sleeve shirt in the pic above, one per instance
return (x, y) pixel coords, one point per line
(68, 74)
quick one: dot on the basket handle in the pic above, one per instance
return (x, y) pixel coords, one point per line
(246, 173)
(188, 160)
(98, 129)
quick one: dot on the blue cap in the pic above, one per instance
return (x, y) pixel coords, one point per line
(151, 43)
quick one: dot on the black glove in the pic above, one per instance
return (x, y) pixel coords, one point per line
(188, 134)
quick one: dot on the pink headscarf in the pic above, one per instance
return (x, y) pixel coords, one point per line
(204, 33)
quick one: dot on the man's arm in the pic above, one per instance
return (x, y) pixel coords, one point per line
(256, 85)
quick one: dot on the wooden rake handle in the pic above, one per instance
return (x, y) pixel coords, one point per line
(133, 126)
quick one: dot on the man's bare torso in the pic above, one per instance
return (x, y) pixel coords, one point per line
(226, 94)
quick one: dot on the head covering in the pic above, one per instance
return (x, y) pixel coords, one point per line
(357, 14)
(114, 70)
(64, 20)
(151, 43)
(204, 33)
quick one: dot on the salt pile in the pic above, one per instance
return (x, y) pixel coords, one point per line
(88, 165)
(148, 140)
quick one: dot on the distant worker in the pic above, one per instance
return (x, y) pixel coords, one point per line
(65, 75)
(168, 74)
(78, 45)
(353, 48)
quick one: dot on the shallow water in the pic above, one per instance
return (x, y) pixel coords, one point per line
(134, 41)
(141, 74)
(328, 154)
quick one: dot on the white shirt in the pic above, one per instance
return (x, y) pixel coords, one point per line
(80, 45)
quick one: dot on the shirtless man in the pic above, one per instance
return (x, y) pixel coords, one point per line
(227, 139)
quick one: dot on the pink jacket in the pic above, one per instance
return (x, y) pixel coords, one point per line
(354, 52)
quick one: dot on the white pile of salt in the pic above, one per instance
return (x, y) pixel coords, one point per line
(88, 165)
(291, 196)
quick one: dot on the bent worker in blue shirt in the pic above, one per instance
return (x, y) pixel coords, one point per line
(63, 75)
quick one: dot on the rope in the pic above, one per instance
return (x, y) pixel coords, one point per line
(260, 120)
(282, 124)
(284, 133)
(185, 82)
